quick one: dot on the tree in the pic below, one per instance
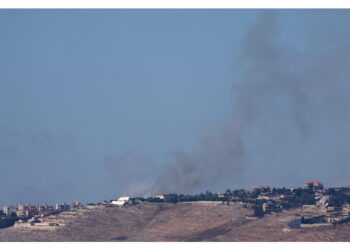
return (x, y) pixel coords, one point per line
(307, 199)
(228, 192)
(209, 196)
(338, 199)
(298, 191)
(258, 210)
(256, 192)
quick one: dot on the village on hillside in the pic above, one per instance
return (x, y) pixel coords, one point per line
(329, 206)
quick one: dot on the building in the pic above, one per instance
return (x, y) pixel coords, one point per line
(29, 212)
(331, 209)
(43, 207)
(159, 196)
(220, 195)
(268, 207)
(263, 197)
(313, 186)
(76, 205)
(22, 206)
(45, 213)
(9, 210)
(26, 206)
(346, 208)
(322, 201)
(295, 189)
(50, 208)
(309, 208)
(62, 206)
(264, 189)
(121, 201)
(233, 198)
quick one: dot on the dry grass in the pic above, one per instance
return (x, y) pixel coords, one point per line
(177, 222)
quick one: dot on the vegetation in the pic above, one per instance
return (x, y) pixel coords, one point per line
(277, 198)
(338, 196)
(8, 222)
(303, 197)
(258, 209)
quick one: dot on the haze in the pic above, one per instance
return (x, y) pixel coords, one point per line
(95, 104)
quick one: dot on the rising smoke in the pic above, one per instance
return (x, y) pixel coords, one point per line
(289, 122)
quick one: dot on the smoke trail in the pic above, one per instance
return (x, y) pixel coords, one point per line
(277, 134)
(221, 154)
(289, 122)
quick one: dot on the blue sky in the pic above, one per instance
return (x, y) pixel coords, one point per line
(84, 90)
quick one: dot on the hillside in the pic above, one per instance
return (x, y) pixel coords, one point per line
(201, 221)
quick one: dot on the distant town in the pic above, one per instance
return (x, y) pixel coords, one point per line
(331, 205)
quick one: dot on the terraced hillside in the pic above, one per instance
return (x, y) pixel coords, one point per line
(175, 222)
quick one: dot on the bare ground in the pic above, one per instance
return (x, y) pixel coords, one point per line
(177, 222)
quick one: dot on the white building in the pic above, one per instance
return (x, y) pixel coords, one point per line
(263, 197)
(121, 201)
(220, 195)
(42, 207)
(76, 205)
(313, 185)
(26, 206)
(159, 196)
(8, 210)
(62, 206)
(21, 207)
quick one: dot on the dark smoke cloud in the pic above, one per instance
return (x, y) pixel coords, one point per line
(221, 154)
(289, 121)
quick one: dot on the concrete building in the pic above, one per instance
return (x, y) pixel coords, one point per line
(121, 201)
(50, 207)
(62, 206)
(322, 201)
(294, 189)
(22, 206)
(263, 197)
(29, 212)
(45, 213)
(313, 185)
(43, 207)
(8, 210)
(264, 189)
(26, 206)
(268, 207)
(159, 196)
(76, 205)
(220, 195)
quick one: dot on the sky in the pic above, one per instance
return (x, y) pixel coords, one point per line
(95, 104)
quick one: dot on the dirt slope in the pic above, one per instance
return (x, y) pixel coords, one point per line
(177, 222)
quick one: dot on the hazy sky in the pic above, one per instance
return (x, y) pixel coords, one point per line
(93, 103)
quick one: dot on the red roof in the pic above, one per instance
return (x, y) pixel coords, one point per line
(44, 212)
(315, 182)
(28, 209)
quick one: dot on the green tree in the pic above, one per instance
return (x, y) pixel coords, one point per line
(258, 210)
(228, 192)
(338, 199)
(307, 199)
